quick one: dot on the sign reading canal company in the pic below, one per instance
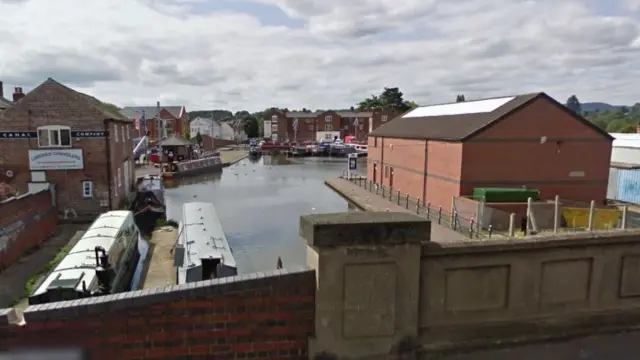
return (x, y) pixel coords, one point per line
(5, 135)
(63, 159)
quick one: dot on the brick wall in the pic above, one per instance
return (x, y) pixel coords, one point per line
(256, 316)
(210, 144)
(25, 223)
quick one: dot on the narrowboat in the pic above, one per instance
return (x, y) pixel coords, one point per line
(102, 262)
(149, 204)
(202, 251)
(255, 151)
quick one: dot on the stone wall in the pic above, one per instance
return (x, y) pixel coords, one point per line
(26, 222)
(385, 289)
(257, 316)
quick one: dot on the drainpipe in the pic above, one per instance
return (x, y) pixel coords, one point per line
(107, 139)
(424, 174)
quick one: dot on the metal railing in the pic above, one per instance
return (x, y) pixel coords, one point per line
(454, 221)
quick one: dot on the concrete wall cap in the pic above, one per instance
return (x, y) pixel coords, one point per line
(364, 228)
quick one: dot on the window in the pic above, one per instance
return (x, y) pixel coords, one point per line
(361, 127)
(310, 127)
(327, 118)
(87, 189)
(375, 142)
(328, 127)
(125, 130)
(274, 117)
(116, 138)
(274, 127)
(54, 136)
(119, 175)
(384, 118)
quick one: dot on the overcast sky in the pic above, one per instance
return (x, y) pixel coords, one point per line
(253, 54)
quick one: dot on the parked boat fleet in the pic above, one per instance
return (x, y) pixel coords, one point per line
(335, 148)
(104, 260)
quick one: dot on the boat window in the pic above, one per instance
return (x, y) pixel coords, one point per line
(210, 268)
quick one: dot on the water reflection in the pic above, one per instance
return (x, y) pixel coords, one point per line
(259, 202)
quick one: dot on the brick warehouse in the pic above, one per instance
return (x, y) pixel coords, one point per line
(56, 135)
(279, 124)
(440, 151)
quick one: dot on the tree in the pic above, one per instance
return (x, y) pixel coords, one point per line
(389, 99)
(199, 138)
(574, 104)
(460, 98)
(251, 126)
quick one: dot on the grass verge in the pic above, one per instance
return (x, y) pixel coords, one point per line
(30, 285)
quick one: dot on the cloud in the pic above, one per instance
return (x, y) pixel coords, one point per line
(143, 51)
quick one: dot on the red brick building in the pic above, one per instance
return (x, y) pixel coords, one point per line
(311, 125)
(57, 135)
(440, 151)
(174, 120)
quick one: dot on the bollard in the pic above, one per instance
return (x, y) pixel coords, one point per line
(490, 230)
(440, 215)
(623, 221)
(407, 200)
(418, 206)
(454, 220)
(471, 228)
(398, 197)
(428, 206)
(390, 193)
(382, 190)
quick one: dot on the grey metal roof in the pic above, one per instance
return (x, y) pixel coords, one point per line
(302, 114)
(175, 140)
(353, 114)
(202, 237)
(460, 126)
(150, 111)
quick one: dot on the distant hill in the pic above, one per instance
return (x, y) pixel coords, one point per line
(599, 106)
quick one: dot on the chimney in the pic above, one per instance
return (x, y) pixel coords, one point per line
(158, 104)
(1, 89)
(17, 94)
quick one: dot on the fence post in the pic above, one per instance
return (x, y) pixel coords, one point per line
(623, 223)
(418, 206)
(398, 197)
(471, 228)
(428, 206)
(407, 200)
(390, 193)
(592, 210)
(556, 214)
(529, 201)
(490, 230)
(440, 215)
(454, 220)
(512, 223)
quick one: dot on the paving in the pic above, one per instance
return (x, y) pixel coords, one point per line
(159, 270)
(231, 156)
(14, 279)
(371, 202)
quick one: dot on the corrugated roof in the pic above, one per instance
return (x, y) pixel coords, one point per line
(631, 140)
(460, 121)
(175, 140)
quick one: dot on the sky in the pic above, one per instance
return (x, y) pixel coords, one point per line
(256, 54)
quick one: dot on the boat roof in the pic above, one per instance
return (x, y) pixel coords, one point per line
(80, 263)
(203, 236)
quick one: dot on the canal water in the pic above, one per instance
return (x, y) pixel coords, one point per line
(260, 201)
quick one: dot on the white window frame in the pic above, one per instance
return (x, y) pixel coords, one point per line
(51, 129)
(328, 127)
(384, 118)
(116, 138)
(328, 118)
(274, 127)
(87, 189)
(274, 117)
(125, 128)
(119, 176)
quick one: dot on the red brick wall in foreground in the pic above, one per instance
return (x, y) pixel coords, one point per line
(256, 316)
(25, 223)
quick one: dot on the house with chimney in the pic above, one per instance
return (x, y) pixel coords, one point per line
(4, 102)
(157, 122)
(55, 135)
